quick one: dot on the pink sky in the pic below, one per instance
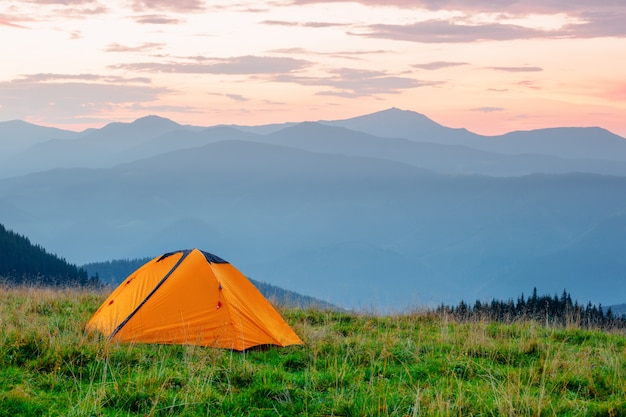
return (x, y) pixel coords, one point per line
(489, 66)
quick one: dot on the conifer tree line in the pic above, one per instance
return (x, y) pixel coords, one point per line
(551, 310)
(21, 262)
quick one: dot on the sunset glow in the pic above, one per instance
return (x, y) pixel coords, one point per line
(519, 66)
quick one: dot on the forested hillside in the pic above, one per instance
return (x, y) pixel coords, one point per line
(114, 272)
(21, 262)
(554, 310)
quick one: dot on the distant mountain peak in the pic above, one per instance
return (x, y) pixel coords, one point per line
(152, 120)
(397, 123)
(394, 115)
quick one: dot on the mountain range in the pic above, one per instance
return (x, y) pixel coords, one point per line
(387, 211)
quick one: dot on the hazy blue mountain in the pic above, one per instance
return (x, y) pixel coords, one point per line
(619, 310)
(103, 147)
(128, 134)
(381, 279)
(381, 211)
(446, 159)
(185, 139)
(355, 231)
(396, 123)
(596, 253)
(574, 143)
(264, 129)
(571, 142)
(17, 136)
(393, 134)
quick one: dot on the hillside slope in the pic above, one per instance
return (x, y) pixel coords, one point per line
(354, 231)
(21, 262)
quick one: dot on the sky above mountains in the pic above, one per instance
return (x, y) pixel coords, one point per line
(489, 66)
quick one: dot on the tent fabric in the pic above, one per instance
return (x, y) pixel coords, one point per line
(191, 297)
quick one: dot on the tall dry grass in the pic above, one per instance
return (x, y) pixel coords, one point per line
(352, 364)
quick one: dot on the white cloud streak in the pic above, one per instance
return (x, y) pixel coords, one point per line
(234, 66)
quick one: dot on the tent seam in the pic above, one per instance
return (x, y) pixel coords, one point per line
(155, 289)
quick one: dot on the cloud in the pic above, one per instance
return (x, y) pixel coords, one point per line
(598, 24)
(46, 77)
(82, 12)
(356, 55)
(5, 22)
(157, 20)
(510, 6)
(488, 109)
(528, 84)
(337, 54)
(181, 6)
(44, 11)
(352, 83)
(592, 19)
(235, 66)
(439, 65)
(146, 46)
(517, 69)
(72, 8)
(143, 108)
(257, 7)
(31, 96)
(232, 96)
(279, 23)
(236, 97)
(301, 24)
(64, 2)
(294, 51)
(444, 31)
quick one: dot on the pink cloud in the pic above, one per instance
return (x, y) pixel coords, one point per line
(354, 83)
(64, 2)
(301, 24)
(511, 6)
(157, 20)
(438, 65)
(4, 22)
(443, 31)
(488, 109)
(146, 46)
(52, 77)
(72, 97)
(235, 66)
(183, 6)
(517, 69)
(598, 19)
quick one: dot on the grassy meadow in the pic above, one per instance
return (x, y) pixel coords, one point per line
(413, 364)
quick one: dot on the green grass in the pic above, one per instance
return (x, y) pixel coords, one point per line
(351, 365)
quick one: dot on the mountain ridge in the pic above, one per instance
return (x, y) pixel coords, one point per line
(415, 139)
(354, 217)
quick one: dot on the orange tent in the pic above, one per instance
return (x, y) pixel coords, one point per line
(191, 297)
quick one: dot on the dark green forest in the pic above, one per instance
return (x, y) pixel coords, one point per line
(22, 262)
(552, 310)
(113, 272)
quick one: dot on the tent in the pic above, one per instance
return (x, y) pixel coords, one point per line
(191, 297)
